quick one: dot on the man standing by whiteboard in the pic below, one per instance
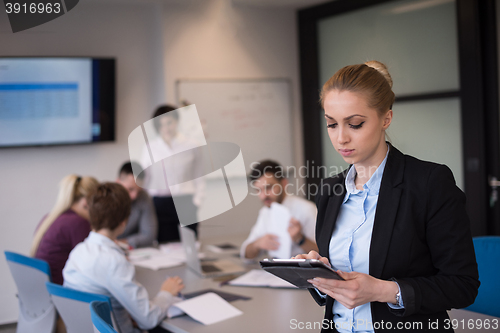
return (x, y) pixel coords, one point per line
(268, 179)
(169, 142)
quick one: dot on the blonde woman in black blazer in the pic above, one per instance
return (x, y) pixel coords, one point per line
(421, 254)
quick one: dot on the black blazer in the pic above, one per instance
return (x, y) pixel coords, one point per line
(421, 239)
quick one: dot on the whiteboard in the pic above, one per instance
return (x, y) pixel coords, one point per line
(254, 114)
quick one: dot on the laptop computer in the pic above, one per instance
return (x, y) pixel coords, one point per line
(209, 269)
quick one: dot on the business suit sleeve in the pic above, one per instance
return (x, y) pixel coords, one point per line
(148, 224)
(119, 279)
(320, 299)
(447, 231)
(320, 203)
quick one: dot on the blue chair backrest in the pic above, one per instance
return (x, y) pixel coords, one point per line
(73, 306)
(100, 314)
(487, 250)
(36, 310)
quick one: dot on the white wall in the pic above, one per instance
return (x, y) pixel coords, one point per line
(216, 39)
(155, 44)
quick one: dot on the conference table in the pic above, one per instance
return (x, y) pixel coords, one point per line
(268, 310)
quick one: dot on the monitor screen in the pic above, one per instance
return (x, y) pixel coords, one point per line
(53, 101)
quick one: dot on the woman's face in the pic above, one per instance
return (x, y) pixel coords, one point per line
(357, 131)
(82, 208)
(168, 128)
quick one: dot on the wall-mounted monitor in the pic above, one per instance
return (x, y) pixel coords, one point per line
(56, 101)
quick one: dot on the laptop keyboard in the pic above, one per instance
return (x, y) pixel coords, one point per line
(209, 268)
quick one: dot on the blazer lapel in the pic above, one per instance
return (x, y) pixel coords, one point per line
(332, 211)
(330, 217)
(387, 208)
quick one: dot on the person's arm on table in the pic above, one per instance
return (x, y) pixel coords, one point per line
(134, 297)
(258, 240)
(267, 242)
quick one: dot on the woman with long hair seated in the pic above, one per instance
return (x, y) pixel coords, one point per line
(66, 225)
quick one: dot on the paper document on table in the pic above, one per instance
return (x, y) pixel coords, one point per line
(280, 221)
(176, 251)
(208, 308)
(223, 248)
(173, 312)
(152, 258)
(260, 278)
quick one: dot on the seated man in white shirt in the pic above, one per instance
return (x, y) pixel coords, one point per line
(268, 179)
(98, 265)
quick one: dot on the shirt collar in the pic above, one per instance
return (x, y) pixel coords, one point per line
(97, 238)
(372, 185)
(280, 203)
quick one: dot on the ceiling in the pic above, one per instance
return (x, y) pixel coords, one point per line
(289, 4)
(281, 3)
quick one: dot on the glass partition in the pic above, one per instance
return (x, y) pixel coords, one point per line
(417, 40)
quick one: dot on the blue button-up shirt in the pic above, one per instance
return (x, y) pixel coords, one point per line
(350, 244)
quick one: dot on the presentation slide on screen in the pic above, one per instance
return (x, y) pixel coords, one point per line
(45, 101)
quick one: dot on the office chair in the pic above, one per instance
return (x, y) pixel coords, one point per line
(73, 307)
(37, 313)
(100, 315)
(487, 250)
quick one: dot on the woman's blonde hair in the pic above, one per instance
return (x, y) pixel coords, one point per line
(71, 189)
(372, 79)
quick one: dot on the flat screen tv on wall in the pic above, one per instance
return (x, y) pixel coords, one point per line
(56, 101)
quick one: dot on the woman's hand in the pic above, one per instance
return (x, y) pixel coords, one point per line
(173, 285)
(313, 255)
(357, 289)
